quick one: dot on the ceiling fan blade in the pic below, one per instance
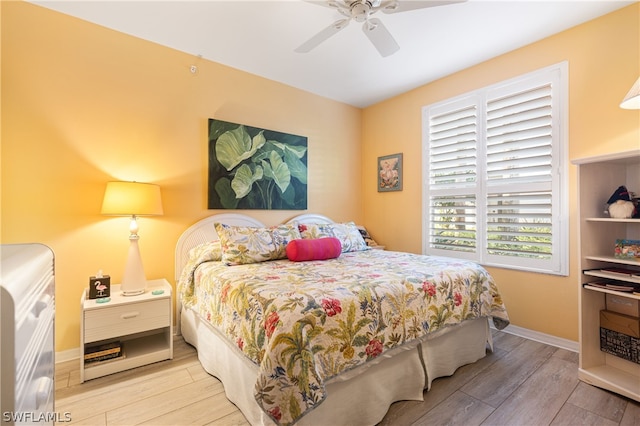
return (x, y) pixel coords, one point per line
(340, 5)
(380, 37)
(326, 3)
(396, 6)
(314, 41)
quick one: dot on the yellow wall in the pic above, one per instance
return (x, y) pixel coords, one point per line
(83, 105)
(604, 62)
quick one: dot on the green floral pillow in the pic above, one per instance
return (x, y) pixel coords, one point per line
(210, 250)
(244, 244)
(348, 234)
(281, 235)
(315, 230)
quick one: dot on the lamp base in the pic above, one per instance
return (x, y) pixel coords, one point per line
(133, 281)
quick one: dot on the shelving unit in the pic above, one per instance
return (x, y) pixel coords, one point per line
(598, 177)
(143, 324)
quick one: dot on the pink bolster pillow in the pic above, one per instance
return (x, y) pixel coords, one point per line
(313, 249)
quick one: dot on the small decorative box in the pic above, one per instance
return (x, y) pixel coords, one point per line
(99, 287)
(621, 345)
(627, 249)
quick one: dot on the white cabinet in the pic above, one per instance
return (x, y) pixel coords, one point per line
(598, 178)
(142, 324)
(27, 304)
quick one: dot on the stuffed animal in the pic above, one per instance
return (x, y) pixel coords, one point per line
(620, 204)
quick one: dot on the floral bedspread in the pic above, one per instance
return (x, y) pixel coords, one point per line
(305, 322)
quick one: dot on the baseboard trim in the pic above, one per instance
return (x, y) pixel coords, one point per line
(537, 336)
(68, 355)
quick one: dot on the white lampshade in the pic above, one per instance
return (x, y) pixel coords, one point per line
(132, 199)
(632, 100)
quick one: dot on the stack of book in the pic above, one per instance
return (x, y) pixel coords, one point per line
(103, 352)
(616, 286)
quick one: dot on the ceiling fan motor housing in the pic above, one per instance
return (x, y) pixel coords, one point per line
(360, 10)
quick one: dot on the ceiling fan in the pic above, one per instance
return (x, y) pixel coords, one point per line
(361, 11)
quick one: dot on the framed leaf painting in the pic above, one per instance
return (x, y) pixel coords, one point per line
(253, 168)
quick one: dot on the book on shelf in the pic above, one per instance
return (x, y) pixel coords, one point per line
(104, 351)
(615, 286)
(105, 358)
(618, 271)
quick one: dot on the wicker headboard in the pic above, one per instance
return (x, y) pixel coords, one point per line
(203, 231)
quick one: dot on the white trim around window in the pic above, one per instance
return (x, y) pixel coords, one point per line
(495, 181)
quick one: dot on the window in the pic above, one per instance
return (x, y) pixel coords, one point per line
(495, 180)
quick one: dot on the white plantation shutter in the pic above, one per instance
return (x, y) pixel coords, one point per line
(453, 159)
(453, 223)
(519, 137)
(452, 151)
(494, 174)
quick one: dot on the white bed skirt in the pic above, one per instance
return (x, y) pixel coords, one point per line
(361, 396)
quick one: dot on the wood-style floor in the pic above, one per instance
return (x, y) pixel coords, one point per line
(522, 382)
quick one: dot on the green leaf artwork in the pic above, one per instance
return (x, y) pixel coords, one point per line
(252, 168)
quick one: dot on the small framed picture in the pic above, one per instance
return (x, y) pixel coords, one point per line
(99, 287)
(390, 173)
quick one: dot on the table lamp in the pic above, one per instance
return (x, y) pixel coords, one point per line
(132, 199)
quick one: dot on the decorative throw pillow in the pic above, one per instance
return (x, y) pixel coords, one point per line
(368, 239)
(316, 230)
(349, 236)
(211, 250)
(245, 244)
(347, 233)
(314, 249)
(282, 235)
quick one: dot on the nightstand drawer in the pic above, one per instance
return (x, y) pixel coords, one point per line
(121, 320)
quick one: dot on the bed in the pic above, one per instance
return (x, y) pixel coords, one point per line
(332, 341)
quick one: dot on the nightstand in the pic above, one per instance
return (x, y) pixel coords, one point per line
(141, 325)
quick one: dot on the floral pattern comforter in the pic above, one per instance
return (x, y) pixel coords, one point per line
(303, 323)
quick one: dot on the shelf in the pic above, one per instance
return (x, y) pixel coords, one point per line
(617, 293)
(612, 378)
(612, 259)
(611, 220)
(597, 178)
(137, 352)
(612, 276)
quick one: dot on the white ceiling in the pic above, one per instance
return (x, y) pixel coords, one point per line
(259, 37)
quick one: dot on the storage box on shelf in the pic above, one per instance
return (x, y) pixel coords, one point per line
(128, 331)
(625, 324)
(602, 351)
(619, 344)
(620, 335)
(622, 305)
